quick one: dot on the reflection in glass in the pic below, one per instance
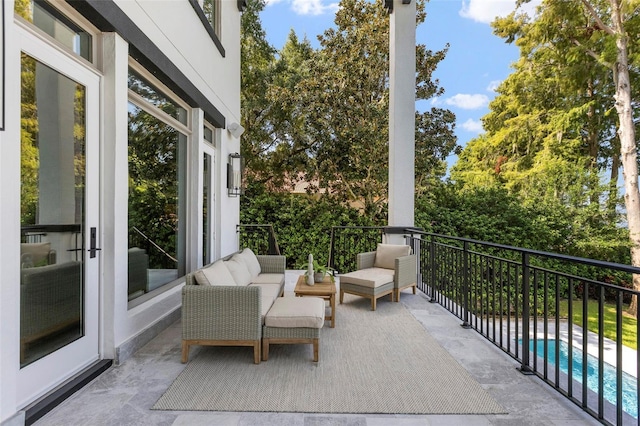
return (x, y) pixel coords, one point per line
(156, 202)
(52, 22)
(51, 210)
(211, 11)
(155, 97)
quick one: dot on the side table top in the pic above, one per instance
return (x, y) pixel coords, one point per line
(325, 288)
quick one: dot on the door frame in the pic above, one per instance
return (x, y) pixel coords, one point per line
(43, 375)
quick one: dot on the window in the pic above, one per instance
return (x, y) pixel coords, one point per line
(158, 136)
(52, 22)
(211, 9)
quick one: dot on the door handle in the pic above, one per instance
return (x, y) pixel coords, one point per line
(92, 243)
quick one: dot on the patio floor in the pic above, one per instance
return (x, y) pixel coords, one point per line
(124, 394)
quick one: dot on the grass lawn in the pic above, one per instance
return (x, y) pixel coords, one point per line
(629, 334)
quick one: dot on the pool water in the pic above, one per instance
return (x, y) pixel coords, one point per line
(629, 383)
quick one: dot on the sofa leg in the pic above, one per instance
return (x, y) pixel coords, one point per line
(414, 289)
(185, 351)
(265, 349)
(316, 349)
(256, 352)
(373, 303)
(397, 295)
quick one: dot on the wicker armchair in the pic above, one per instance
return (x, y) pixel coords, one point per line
(376, 277)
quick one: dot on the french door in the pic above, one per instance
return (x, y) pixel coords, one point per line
(59, 211)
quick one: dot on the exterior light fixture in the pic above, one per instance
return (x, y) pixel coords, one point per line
(241, 5)
(235, 168)
(236, 130)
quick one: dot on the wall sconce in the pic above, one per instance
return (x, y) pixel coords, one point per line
(236, 130)
(235, 167)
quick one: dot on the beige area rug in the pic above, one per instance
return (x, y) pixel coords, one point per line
(371, 362)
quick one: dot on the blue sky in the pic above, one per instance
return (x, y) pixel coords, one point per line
(476, 63)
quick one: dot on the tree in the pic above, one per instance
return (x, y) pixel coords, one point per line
(321, 115)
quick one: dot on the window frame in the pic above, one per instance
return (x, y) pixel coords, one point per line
(186, 129)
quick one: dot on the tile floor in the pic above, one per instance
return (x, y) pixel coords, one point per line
(124, 394)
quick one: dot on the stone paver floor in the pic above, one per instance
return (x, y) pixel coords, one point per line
(124, 394)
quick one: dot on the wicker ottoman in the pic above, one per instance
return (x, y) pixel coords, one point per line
(293, 320)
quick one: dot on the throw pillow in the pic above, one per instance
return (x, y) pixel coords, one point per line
(386, 255)
(238, 270)
(216, 274)
(251, 262)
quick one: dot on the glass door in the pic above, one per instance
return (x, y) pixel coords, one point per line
(59, 220)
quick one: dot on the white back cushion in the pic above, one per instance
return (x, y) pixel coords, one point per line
(238, 270)
(216, 274)
(386, 255)
(251, 262)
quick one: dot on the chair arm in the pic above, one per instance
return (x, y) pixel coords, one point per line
(406, 271)
(365, 260)
(221, 313)
(272, 264)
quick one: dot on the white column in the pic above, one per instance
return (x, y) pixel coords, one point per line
(402, 86)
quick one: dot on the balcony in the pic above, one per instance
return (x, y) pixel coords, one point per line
(470, 301)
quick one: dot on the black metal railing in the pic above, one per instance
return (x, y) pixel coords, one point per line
(526, 303)
(259, 238)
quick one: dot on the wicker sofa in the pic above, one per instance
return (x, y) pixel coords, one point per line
(224, 303)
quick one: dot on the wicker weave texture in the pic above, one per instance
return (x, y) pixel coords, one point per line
(290, 333)
(272, 264)
(406, 271)
(221, 313)
(365, 260)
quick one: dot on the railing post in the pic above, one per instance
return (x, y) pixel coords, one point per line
(332, 263)
(432, 268)
(465, 285)
(525, 368)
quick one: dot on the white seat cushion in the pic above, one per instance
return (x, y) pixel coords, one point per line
(268, 279)
(239, 271)
(250, 260)
(268, 295)
(386, 254)
(215, 274)
(369, 277)
(295, 312)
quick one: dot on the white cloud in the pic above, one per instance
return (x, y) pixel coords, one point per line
(486, 11)
(493, 85)
(472, 125)
(465, 101)
(309, 7)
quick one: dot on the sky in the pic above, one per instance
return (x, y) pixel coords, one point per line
(477, 60)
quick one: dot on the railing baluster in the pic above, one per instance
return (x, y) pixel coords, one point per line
(525, 367)
(585, 342)
(619, 358)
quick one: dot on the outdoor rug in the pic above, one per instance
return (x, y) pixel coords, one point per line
(379, 361)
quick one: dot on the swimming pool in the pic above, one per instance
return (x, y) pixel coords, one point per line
(629, 384)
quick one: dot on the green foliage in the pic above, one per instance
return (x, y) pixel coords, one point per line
(320, 116)
(301, 222)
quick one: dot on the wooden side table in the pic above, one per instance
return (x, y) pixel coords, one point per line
(325, 290)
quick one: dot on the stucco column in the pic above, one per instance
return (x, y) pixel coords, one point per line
(402, 86)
